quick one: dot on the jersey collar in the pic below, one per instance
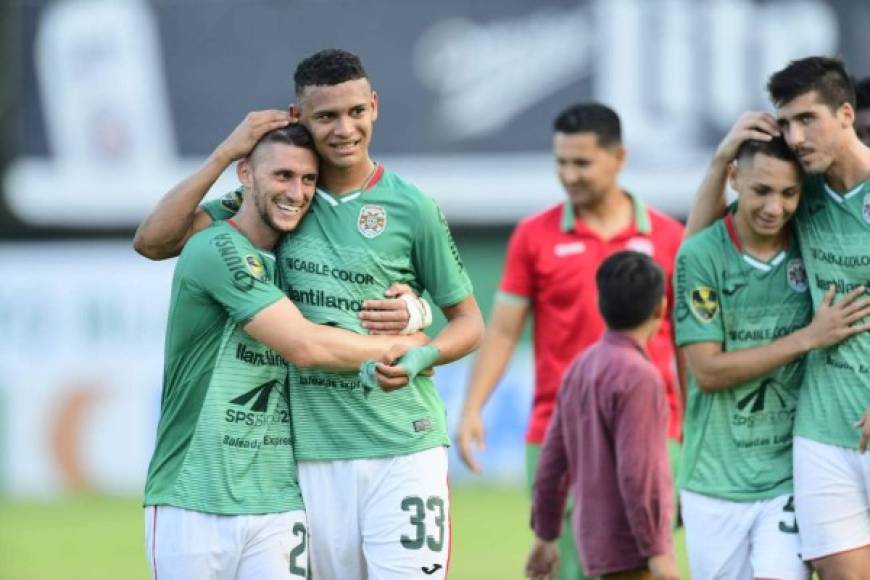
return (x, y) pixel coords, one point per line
(841, 197)
(337, 200)
(755, 262)
(642, 222)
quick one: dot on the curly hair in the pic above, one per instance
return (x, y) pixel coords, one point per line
(328, 67)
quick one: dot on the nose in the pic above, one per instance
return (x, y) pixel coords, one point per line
(794, 135)
(569, 176)
(343, 125)
(773, 206)
(294, 190)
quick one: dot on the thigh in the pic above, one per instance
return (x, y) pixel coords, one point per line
(329, 489)
(406, 518)
(775, 551)
(183, 544)
(276, 547)
(831, 499)
(717, 536)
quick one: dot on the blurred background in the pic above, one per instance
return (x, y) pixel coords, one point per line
(104, 104)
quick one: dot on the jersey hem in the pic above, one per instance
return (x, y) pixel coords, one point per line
(744, 497)
(253, 511)
(833, 441)
(348, 455)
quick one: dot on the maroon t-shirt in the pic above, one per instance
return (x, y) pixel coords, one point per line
(607, 444)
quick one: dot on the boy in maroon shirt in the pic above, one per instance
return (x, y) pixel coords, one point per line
(607, 441)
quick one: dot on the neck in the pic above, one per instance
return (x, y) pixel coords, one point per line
(759, 246)
(642, 333)
(253, 227)
(609, 215)
(851, 166)
(342, 180)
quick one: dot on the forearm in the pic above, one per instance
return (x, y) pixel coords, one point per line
(725, 370)
(550, 491)
(335, 349)
(162, 234)
(709, 203)
(462, 334)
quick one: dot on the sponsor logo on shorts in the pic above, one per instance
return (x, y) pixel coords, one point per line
(796, 275)
(704, 303)
(432, 570)
(372, 221)
(642, 245)
(569, 249)
(255, 266)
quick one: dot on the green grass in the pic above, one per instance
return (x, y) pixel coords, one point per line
(98, 537)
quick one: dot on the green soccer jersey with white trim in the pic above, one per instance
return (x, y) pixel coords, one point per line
(834, 235)
(738, 441)
(349, 249)
(224, 441)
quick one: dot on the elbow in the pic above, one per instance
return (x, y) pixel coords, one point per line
(150, 250)
(303, 356)
(710, 381)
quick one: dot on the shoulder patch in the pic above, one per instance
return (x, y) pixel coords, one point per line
(796, 275)
(704, 303)
(372, 220)
(867, 208)
(255, 266)
(232, 201)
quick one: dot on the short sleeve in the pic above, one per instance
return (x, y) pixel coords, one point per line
(436, 257)
(518, 277)
(225, 206)
(697, 313)
(230, 271)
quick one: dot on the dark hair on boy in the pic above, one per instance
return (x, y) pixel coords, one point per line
(328, 67)
(591, 118)
(826, 76)
(776, 148)
(294, 134)
(630, 287)
(862, 93)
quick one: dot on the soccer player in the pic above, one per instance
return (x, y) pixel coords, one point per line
(550, 273)
(222, 500)
(815, 103)
(608, 435)
(742, 314)
(862, 110)
(372, 465)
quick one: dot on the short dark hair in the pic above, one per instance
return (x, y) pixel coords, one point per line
(630, 286)
(776, 148)
(294, 134)
(328, 67)
(591, 118)
(826, 76)
(862, 93)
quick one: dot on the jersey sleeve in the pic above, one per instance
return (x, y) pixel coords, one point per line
(225, 206)
(436, 258)
(230, 272)
(697, 312)
(518, 280)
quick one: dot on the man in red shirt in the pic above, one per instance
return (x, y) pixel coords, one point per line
(550, 273)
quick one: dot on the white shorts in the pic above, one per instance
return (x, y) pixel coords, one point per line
(738, 540)
(832, 496)
(378, 519)
(184, 544)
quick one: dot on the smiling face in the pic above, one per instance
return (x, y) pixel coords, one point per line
(768, 191)
(279, 179)
(587, 170)
(341, 118)
(814, 131)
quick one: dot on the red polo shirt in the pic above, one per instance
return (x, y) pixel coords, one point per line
(551, 263)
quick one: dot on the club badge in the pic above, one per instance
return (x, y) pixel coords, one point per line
(796, 275)
(704, 303)
(255, 266)
(232, 201)
(372, 221)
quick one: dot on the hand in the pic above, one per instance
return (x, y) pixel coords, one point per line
(833, 322)
(252, 128)
(470, 433)
(664, 567)
(864, 424)
(392, 377)
(388, 316)
(543, 561)
(750, 125)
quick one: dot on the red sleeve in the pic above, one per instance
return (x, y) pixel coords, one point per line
(518, 277)
(640, 427)
(551, 483)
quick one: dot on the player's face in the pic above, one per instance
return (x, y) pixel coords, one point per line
(813, 131)
(768, 192)
(587, 170)
(862, 125)
(341, 118)
(281, 180)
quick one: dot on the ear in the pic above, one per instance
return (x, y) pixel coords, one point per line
(295, 112)
(846, 115)
(244, 172)
(662, 309)
(374, 105)
(619, 153)
(732, 175)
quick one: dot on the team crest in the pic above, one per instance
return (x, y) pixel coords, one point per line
(255, 266)
(704, 303)
(372, 221)
(796, 275)
(642, 245)
(867, 208)
(233, 200)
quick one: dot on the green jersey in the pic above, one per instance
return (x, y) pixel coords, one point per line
(834, 234)
(738, 441)
(349, 249)
(224, 442)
